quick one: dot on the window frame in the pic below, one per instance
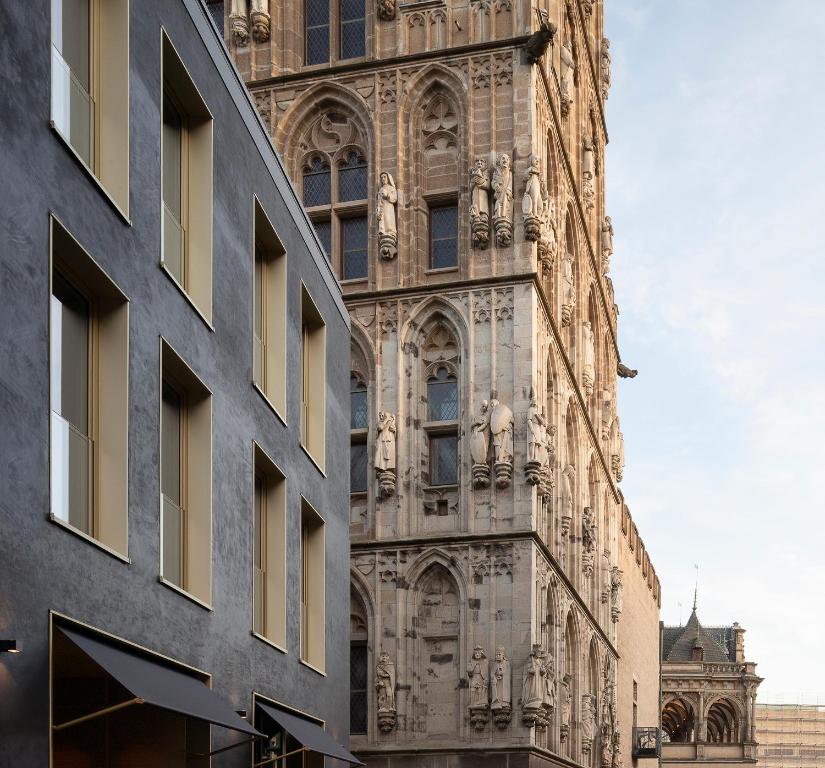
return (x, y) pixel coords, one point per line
(335, 22)
(313, 386)
(442, 202)
(312, 592)
(437, 428)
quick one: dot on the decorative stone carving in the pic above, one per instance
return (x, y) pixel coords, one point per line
(587, 7)
(532, 203)
(480, 203)
(548, 477)
(478, 678)
(532, 688)
(547, 238)
(501, 702)
(567, 76)
(604, 592)
(385, 453)
(588, 541)
(260, 20)
(550, 692)
(607, 413)
(606, 744)
(385, 214)
(607, 244)
(589, 367)
(616, 588)
(501, 427)
(616, 450)
(617, 761)
(386, 10)
(239, 22)
(568, 499)
(625, 372)
(588, 172)
(588, 721)
(536, 448)
(479, 447)
(569, 290)
(604, 67)
(503, 195)
(385, 687)
(566, 705)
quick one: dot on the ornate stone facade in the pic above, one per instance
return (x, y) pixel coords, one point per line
(504, 529)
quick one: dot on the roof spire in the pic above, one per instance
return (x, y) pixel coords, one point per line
(696, 588)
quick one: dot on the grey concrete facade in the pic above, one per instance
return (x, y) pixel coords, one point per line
(44, 567)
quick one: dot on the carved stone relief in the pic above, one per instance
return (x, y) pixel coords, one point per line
(503, 195)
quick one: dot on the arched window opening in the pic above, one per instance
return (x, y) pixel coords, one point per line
(722, 723)
(358, 665)
(678, 721)
(359, 424)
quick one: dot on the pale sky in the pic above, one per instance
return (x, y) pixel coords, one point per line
(716, 187)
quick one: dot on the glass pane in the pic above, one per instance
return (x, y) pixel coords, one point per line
(258, 558)
(172, 138)
(352, 180)
(354, 237)
(317, 186)
(444, 460)
(358, 688)
(442, 400)
(259, 348)
(215, 8)
(444, 236)
(359, 417)
(317, 13)
(317, 44)
(173, 241)
(352, 39)
(70, 36)
(172, 542)
(358, 468)
(71, 475)
(324, 231)
(72, 109)
(170, 428)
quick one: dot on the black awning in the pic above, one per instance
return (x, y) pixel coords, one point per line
(311, 735)
(161, 685)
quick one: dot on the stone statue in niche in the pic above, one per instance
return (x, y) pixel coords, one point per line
(500, 703)
(548, 478)
(588, 541)
(479, 447)
(606, 743)
(589, 367)
(532, 688)
(565, 705)
(385, 214)
(501, 427)
(536, 447)
(260, 20)
(503, 196)
(480, 203)
(547, 237)
(478, 679)
(549, 703)
(617, 761)
(604, 66)
(607, 413)
(569, 290)
(616, 587)
(532, 203)
(239, 22)
(588, 721)
(607, 244)
(385, 686)
(567, 76)
(604, 592)
(568, 498)
(588, 172)
(616, 450)
(385, 449)
(386, 10)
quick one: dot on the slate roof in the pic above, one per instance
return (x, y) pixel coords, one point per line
(716, 642)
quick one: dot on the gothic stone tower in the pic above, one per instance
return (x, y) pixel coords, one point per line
(452, 161)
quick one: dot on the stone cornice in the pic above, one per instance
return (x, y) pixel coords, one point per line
(488, 537)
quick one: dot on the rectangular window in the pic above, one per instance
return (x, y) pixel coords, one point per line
(317, 31)
(313, 569)
(358, 462)
(269, 302)
(324, 231)
(186, 182)
(443, 459)
(444, 236)
(90, 87)
(89, 332)
(352, 29)
(185, 478)
(358, 693)
(354, 238)
(313, 379)
(269, 551)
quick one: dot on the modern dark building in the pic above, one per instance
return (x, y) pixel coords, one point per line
(174, 434)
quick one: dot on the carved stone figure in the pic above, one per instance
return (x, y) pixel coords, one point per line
(536, 447)
(239, 22)
(500, 703)
(606, 744)
(604, 591)
(625, 372)
(548, 477)
(588, 172)
(567, 76)
(588, 721)
(550, 692)
(566, 705)
(532, 689)
(503, 195)
(547, 236)
(537, 43)
(568, 498)
(616, 588)
(589, 367)
(386, 10)
(479, 447)
(385, 687)
(385, 214)
(478, 678)
(385, 453)
(569, 290)
(588, 541)
(607, 413)
(604, 66)
(532, 203)
(260, 20)
(501, 428)
(480, 203)
(616, 449)
(607, 244)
